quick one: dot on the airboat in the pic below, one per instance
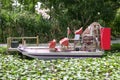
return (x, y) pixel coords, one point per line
(88, 43)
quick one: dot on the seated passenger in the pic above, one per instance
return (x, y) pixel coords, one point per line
(52, 45)
(64, 43)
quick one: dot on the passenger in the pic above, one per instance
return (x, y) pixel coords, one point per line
(52, 45)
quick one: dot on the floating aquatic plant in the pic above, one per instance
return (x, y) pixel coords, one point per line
(13, 67)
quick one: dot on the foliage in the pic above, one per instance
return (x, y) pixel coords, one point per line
(116, 24)
(29, 5)
(84, 11)
(3, 50)
(6, 4)
(13, 67)
(22, 20)
(115, 47)
(23, 24)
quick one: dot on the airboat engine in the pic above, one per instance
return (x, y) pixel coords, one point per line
(95, 37)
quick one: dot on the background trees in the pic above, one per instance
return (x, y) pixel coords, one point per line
(22, 19)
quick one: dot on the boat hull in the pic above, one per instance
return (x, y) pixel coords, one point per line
(42, 52)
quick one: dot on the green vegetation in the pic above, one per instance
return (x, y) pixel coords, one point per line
(115, 47)
(21, 19)
(116, 24)
(13, 67)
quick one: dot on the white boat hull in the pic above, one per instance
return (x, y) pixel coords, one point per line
(43, 52)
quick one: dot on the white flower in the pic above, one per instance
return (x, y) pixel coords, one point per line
(43, 12)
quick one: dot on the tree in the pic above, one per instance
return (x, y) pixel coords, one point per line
(116, 24)
(84, 11)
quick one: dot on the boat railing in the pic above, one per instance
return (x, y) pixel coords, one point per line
(12, 42)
